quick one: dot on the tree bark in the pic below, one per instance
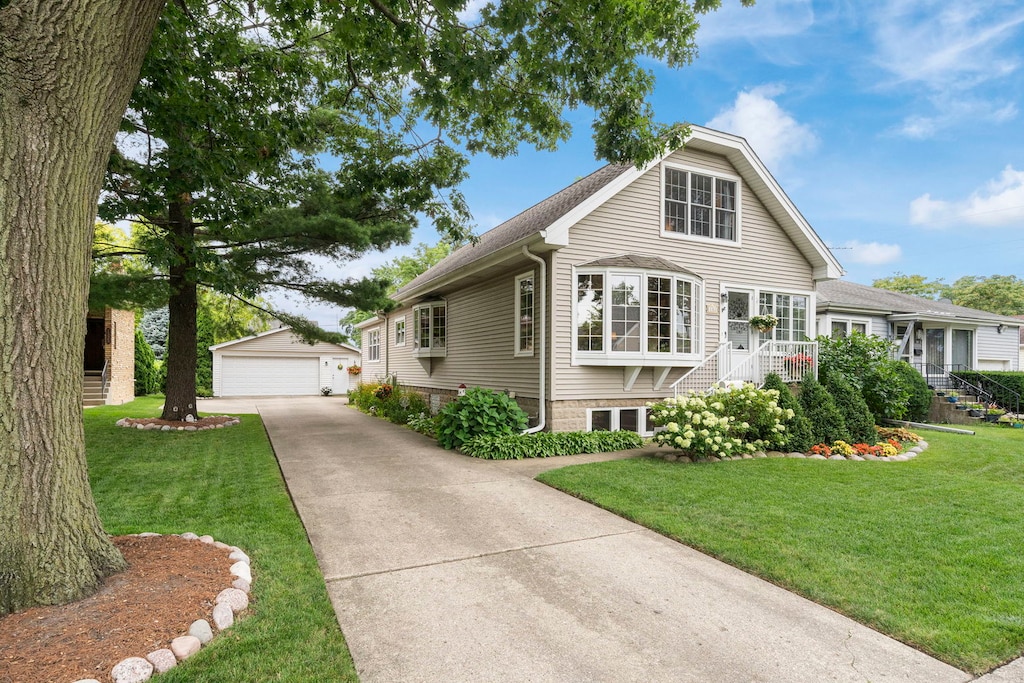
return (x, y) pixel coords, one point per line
(180, 394)
(67, 68)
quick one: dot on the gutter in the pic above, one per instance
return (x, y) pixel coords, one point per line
(541, 397)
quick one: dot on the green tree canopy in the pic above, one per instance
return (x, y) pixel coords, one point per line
(1002, 294)
(916, 285)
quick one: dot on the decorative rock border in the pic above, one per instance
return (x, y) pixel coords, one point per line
(227, 604)
(155, 424)
(902, 457)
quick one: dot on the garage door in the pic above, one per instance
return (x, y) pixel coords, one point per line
(268, 376)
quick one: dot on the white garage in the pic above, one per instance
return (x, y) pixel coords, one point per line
(279, 363)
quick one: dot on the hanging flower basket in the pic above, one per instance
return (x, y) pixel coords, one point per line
(764, 323)
(355, 370)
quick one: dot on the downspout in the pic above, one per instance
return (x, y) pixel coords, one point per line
(542, 399)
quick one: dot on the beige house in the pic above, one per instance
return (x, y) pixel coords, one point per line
(109, 357)
(623, 288)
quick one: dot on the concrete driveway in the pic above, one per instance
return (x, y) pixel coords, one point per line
(446, 568)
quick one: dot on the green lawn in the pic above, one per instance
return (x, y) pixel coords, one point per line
(225, 483)
(930, 551)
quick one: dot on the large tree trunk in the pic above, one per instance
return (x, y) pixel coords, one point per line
(180, 394)
(67, 68)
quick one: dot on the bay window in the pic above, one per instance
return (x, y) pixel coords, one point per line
(430, 328)
(636, 317)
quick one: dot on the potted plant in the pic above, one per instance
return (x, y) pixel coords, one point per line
(764, 323)
(952, 397)
(994, 413)
(975, 409)
(354, 370)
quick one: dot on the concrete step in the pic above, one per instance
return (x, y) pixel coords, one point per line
(92, 402)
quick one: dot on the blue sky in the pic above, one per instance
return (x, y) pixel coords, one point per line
(894, 126)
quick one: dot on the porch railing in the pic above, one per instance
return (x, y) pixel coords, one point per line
(987, 389)
(103, 380)
(789, 360)
(707, 374)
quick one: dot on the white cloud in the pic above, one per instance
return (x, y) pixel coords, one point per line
(769, 129)
(776, 19)
(470, 14)
(951, 110)
(947, 45)
(1000, 202)
(870, 253)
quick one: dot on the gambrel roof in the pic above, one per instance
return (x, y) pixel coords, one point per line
(547, 223)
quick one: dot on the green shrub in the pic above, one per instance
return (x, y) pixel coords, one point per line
(827, 424)
(798, 430)
(147, 376)
(480, 412)
(856, 416)
(1011, 383)
(865, 361)
(548, 444)
(204, 357)
(920, 396)
(723, 423)
(424, 423)
(395, 404)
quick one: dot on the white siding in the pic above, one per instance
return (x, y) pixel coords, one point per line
(630, 222)
(998, 351)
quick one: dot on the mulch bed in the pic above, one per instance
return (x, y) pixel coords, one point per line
(170, 582)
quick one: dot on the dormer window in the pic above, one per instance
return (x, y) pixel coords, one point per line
(699, 205)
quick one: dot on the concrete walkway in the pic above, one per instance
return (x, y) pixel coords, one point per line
(446, 568)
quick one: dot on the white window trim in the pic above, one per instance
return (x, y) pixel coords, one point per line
(755, 293)
(641, 418)
(405, 331)
(642, 358)
(429, 351)
(738, 242)
(850, 321)
(372, 344)
(518, 352)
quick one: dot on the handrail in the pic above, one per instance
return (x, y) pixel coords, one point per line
(790, 360)
(103, 380)
(722, 353)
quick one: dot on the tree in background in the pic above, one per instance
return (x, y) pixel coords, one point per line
(397, 273)
(66, 75)
(147, 376)
(915, 285)
(1001, 294)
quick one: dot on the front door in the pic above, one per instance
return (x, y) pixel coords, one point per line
(339, 375)
(738, 322)
(935, 347)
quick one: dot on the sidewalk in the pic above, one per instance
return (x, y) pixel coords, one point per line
(446, 568)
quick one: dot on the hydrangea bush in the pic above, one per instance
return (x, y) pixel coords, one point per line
(723, 423)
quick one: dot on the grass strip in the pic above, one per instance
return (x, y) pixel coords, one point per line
(927, 551)
(226, 483)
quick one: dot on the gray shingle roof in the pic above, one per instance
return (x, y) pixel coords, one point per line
(638, 261)
(842, 293)
(523, 225)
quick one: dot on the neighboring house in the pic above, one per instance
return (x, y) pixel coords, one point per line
(109, 357)
(1021, 351)
(933, 336)
(601, 297)
(279, 363)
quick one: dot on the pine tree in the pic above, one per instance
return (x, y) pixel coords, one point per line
(827, 423)
(850, 402)
(798, 429)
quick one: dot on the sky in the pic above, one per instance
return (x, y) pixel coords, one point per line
(895, 126)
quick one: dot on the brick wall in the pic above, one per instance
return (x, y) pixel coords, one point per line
(119, 347)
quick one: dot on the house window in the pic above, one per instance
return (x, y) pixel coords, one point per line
(791, 310)
(430, 328)
(700, 205)
(400, 332)
(843, 328)
(635, 316)
(963, 349)
(524, 315)
(373, 346)
(629, 419)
